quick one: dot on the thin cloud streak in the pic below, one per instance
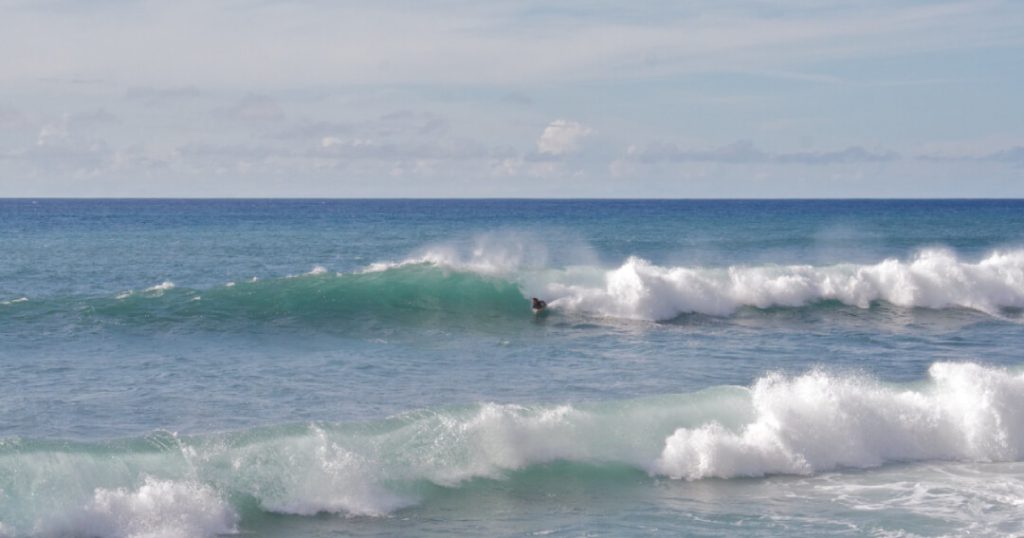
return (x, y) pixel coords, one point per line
(279, 45)
(744, 152)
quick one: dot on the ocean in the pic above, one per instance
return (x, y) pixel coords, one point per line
(272, 368)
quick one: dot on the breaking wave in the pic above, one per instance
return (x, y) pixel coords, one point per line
(443, 285)
(638, 289)
(169, 485)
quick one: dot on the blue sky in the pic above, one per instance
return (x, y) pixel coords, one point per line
(453, 98)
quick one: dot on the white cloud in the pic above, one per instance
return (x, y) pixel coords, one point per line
(561, 137)
(52, 133)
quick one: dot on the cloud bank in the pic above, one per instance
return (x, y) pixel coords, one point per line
(460, 98)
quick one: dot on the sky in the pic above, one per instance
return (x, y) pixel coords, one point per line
(458, 98)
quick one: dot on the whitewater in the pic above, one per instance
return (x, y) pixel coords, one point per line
(372, 368)
(638, 289)
(965, 413)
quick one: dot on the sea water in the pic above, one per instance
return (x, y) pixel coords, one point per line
(373, 368)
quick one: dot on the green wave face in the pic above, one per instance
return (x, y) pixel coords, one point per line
(409, 294)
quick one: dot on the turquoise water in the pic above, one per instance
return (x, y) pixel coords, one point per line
(372, 368)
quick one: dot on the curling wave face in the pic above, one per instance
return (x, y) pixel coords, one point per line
(170, 485)
(409, 293)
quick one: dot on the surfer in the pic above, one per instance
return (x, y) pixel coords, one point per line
(538, 305)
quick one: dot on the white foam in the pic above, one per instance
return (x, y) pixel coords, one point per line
(15, 301)
(156, 509)
(314, 474)
(498, 438)
(316, 270)
(935, 278)
(819, 421)
(806, 424)
(160, 288)
(969, 499)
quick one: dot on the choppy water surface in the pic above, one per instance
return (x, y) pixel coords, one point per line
(372, 368)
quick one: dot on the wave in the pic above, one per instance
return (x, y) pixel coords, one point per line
(803, 424)
(444, 285)
(934, 278)
(408, 293)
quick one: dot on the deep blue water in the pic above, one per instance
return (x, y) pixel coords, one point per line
(372, 367)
